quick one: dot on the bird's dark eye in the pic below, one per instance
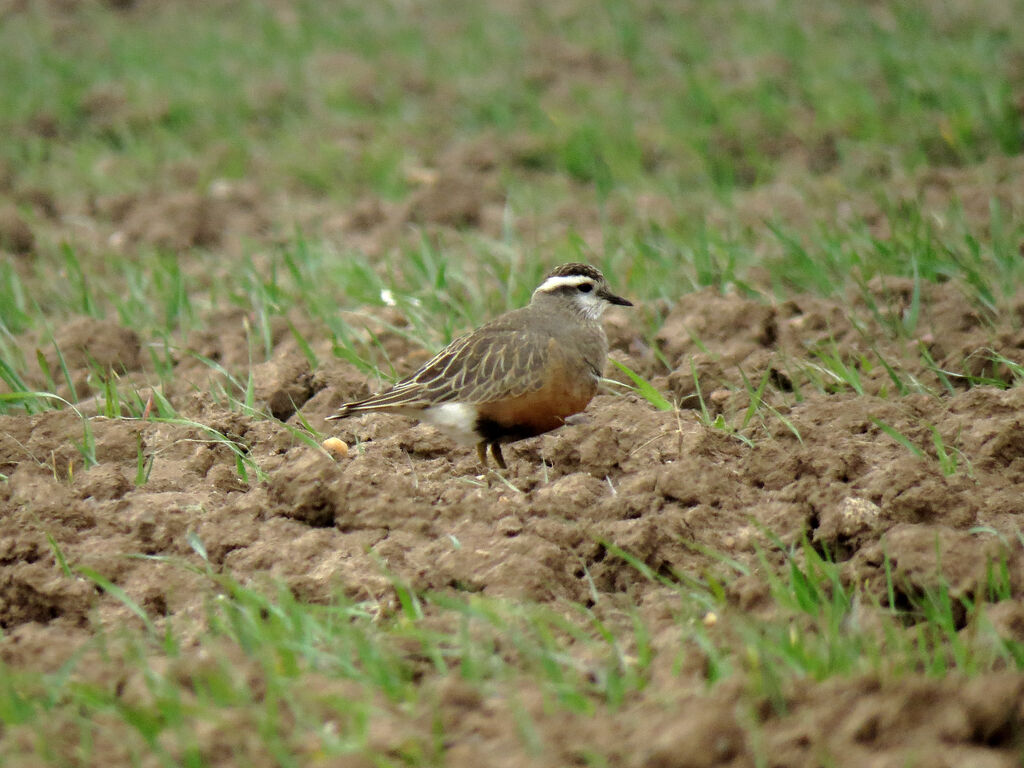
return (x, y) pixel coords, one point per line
(586, 287)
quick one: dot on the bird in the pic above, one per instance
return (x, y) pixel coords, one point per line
(520, 375)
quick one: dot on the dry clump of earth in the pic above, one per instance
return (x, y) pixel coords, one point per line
(664, 486)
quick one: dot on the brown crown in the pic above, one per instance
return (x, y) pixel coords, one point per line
(574, 270)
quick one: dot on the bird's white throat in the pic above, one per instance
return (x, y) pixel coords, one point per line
(590, 305)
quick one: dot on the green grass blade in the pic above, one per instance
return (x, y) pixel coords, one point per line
(117, 593)
(645, 388)
(899, 437)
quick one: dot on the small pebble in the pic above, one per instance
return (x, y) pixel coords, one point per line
(336, 447)
(710, 619)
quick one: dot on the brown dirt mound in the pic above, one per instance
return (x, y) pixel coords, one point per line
(180, 220)
(724, 338)
(951, 722)
(661, 485)
(15, 234)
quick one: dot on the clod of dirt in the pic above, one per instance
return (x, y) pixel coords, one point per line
(1007, 446)
(366, 215)
(104, 105)
(86, 342)
(15, 234)
(1007, 618)
(14, 434)
(922, 557)
(735, 326)
(39, 592)
(453, 199)
(946, 722)
(118, 441)
(181, 220)
(283, 383)
(102, 483)
(911, 490)
(585, 491)
(852, 519)
(225, 342)
(45, 124)
(701, 734)
(41, 200)
(308, 489)
(225, 478)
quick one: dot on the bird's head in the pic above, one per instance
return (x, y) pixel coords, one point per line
(582, 287)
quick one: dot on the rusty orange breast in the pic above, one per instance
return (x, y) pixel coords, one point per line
(568, 388)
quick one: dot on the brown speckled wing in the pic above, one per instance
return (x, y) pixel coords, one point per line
(491, 364)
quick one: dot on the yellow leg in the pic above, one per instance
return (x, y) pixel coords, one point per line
(481, 452)
(496, 453)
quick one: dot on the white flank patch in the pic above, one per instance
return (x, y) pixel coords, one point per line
(456, 420)
(554, 283)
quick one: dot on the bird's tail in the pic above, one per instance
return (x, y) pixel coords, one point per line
(395, 400)
(344, 411)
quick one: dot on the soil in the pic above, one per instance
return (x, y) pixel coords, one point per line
(816, 461)
(662, 486)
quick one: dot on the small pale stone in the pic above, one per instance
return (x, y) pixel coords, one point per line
(710, 619)
(857, 515)
(336, 447)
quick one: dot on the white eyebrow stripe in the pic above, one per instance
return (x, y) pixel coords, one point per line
(554, 283)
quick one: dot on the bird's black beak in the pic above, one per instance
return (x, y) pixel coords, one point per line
(611, 298)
